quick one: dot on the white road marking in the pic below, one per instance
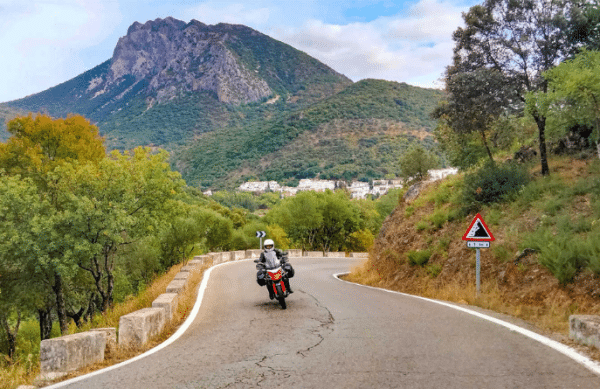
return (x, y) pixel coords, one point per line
(164, 344)
(561, 348)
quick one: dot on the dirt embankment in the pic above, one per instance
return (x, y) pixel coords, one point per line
(514, 285)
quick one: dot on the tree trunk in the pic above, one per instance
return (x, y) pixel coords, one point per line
(61, 311)
(541, 124)
(11, 335)
(76, 316)
(487, 147)
(45, 318)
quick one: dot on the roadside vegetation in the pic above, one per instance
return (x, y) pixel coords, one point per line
(88, 236)
(527, 144)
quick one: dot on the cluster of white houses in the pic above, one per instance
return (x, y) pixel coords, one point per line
(357, 189)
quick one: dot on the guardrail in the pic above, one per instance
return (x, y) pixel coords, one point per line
(63, 355)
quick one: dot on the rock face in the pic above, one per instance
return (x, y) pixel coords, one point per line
(168, 56)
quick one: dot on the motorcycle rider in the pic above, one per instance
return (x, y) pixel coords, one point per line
(269, 248)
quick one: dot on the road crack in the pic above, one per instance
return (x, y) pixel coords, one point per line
(325, 326)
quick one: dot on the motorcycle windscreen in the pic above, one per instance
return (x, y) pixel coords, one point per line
(271, 260)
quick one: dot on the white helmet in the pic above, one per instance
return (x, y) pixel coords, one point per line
(269, 245)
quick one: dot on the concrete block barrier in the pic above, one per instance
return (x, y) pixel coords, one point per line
(65, 354)
(237, 255)
(335, 254)
(176, 286)
(182, 275)
(313, 254)
(110, 334)
(188, 268)
(168, 302)
(217, 258)
(359, 255)
(204, 259)
(294, 253)
(136, 328)
(253, 253)
(195, 263)
(585, 329)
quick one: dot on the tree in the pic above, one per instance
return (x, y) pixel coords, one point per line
(323, 220)
(38, 145)
(476, 100)
(36, 148)
(575, 91)
(416, 162)
(300, 217)
(520, 39)
(110, 204)
(22, 215)
(585, 29)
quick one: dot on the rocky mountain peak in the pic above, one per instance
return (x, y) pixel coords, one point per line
(172, 56)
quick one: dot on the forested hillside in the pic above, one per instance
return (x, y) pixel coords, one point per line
(358, 133)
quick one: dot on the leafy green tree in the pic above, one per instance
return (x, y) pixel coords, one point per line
(476, 100)
(111, 204)
(36, 148)
(340, 219)
(520, 39)
(416, 162)
(300, 217)
(575, 91)
(585, 28)
(314, 220)
(23, 216)
(182, 234)
(218, 230)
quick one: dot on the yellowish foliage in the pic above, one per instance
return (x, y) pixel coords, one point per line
(39, 144)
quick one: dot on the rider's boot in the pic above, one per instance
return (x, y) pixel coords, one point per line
(287, 285)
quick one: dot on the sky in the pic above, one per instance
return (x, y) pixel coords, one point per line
(46, 42)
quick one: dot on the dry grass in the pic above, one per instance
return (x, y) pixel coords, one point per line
(25, 373)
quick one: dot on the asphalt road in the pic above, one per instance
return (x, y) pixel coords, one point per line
(339, 335)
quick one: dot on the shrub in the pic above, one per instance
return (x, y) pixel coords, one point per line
(564, 257)
(591, 250)
(438, 218)
(422, 225)
(418, 257)
(492, 183)
(434, 269)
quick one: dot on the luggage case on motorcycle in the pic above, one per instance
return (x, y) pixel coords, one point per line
(289, 269)
(261, 277)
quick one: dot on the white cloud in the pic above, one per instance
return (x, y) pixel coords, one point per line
(40, 41)
(413, 48)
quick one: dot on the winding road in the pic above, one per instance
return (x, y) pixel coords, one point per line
(338, 335)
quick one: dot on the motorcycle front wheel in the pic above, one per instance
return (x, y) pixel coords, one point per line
(281, 297)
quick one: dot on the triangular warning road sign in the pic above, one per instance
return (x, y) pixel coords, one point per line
(478, 230)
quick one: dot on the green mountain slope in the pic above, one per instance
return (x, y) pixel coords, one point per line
(357, 133)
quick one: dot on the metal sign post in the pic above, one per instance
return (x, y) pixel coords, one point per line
(478, 273)
(478, 236)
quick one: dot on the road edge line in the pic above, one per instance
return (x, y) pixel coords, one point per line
(560, 347)
(180, 331)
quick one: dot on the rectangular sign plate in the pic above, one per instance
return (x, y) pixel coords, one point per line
(478, 245)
